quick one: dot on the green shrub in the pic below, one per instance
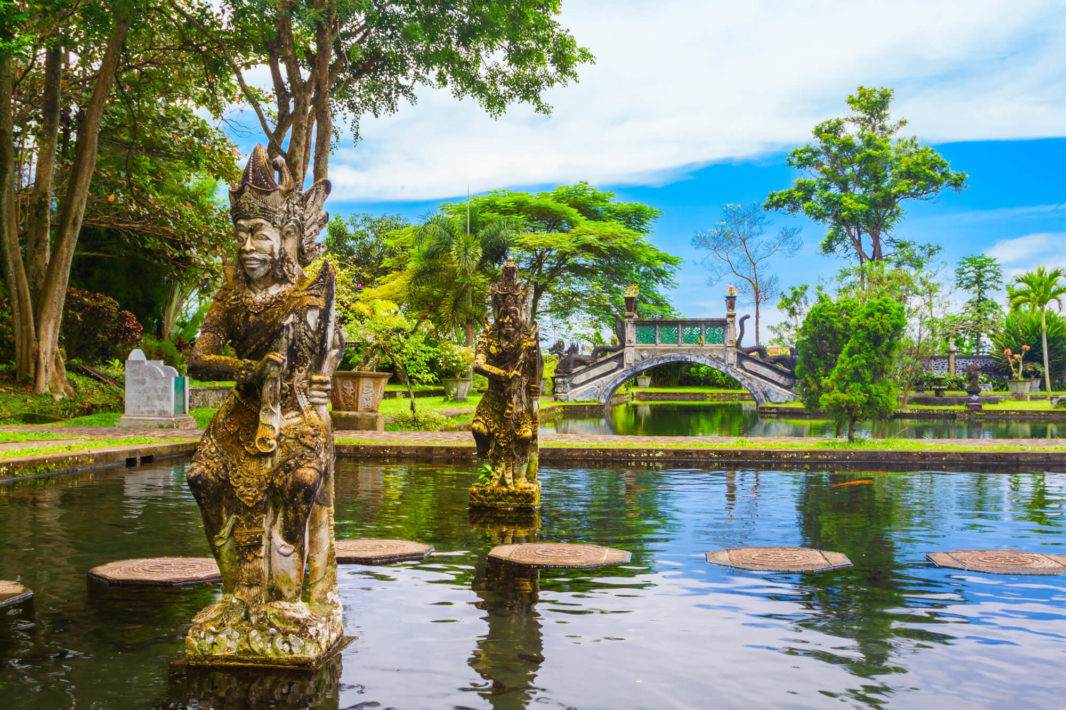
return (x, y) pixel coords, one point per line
(165, 350)
(421, 420)
(1022, 327)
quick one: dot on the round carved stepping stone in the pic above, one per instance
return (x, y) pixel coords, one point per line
(13, 593)
(1000, 561)
(158, 571)
(368, 551)
(546, 555)
(779, 559)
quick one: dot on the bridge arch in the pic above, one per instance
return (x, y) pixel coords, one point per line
(759, 389)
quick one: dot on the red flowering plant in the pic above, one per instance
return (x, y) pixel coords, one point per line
(1014, 361)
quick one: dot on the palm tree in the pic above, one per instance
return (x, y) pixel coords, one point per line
(452, 264)
(1037, 290)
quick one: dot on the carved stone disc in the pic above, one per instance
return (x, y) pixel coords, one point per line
(159, 571)
(545, 555)
(13, 593)
(367, 551)
(1000, 561)
(779, 559)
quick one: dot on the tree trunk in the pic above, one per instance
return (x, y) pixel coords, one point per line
(18, 290)
(1043, 344)
(757, 343)
(39, 219)
(49, 377)
(851, 430)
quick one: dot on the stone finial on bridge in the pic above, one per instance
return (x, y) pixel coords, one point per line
(730, 316)
(631, 300)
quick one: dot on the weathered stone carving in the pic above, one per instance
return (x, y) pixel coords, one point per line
(263, 472)
(506, 422)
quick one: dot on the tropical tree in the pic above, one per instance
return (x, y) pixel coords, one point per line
(58, 123)
(580, 248)
(795, 302)
(980, 277)
(739, 245)
(360, 243)
(859, 175)
(1036, 290)
(331, 58)
(820, 341)
(860, 385)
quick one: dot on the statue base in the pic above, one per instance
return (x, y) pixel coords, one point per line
(358, 421)
(281, 634)
(178, 421)
(524, 496)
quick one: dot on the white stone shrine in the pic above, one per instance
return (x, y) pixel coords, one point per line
(156, 395)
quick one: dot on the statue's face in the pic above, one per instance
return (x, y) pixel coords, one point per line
(259, 243)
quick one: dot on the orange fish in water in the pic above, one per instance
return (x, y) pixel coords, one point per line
(852, 483)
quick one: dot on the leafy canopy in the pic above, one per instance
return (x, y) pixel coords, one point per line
(858, 175)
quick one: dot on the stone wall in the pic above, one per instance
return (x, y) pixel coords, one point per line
(938, 365)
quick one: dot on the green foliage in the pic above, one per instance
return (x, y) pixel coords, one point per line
(820, 341)
(166, 350)
(1036, 290)
(455, 360)
(860, 385)
(979, 277)
(95, 329)
(379, 334)
(360, 245)
(1023, 327)
(421, 420)
(579, 248)
(795, 303)
(858, 175)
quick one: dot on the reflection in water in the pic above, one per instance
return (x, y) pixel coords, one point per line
(508, 656)
(666, 630)
(742, 419)
(275, 688)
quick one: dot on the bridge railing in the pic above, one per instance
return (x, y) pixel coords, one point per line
(683, 332)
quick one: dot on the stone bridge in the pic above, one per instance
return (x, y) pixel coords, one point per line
(650, 343)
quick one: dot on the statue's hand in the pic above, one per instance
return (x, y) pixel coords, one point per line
(269, 366)
(318, 394)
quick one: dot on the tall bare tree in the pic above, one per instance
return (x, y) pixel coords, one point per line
(739, 246)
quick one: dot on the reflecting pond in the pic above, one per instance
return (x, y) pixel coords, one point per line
(742, 419)
(665, 630)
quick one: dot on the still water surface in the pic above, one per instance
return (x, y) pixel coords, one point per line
(667, 630)
(742, 419)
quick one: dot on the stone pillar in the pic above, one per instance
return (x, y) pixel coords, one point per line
(731, 320)
(951, 360)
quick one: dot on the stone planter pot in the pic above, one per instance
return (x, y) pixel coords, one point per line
(644, 381)
(1034, 384)
(456, 389)
(355, 391)
(1019, 389)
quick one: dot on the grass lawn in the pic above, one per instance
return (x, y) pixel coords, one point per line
(110, 419)
(9, 436)
(390, 407)
(80, 446)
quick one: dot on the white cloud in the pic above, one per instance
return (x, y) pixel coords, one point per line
(1021, 254)
(680, 83)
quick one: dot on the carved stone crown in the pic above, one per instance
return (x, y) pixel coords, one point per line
(260, 196)
(509, 291)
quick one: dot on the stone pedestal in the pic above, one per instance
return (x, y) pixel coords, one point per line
(358, 421)
(523, 496)
(156, 395)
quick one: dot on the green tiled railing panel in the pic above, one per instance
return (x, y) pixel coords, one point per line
(668, 334)
(715, 335)
(645, 335)
(692, 335)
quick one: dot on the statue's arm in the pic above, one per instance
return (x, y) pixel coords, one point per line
(206, 361)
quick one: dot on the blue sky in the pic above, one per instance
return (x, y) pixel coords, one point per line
(694, 104)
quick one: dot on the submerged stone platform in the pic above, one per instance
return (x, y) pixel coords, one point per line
(779, 559)
(548, 555)
(1000, 561)
(158, 572)
(369, 551)
(13, 593)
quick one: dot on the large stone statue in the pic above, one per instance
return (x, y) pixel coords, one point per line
(506, 422)
(263, 473)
